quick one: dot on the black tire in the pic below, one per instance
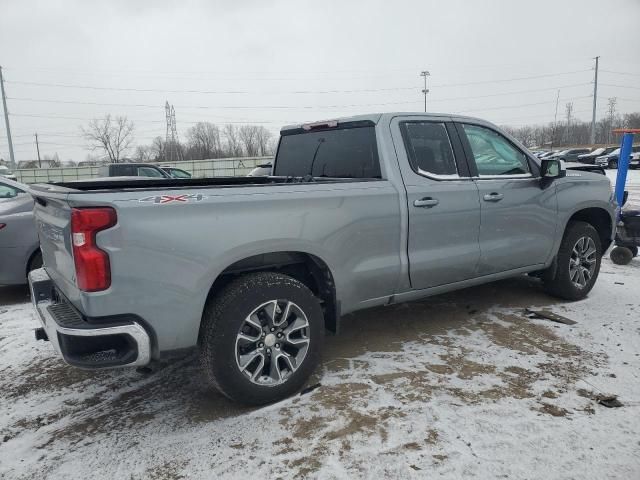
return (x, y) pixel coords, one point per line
(621, 255)
(224, 317)
(613, 164)
(560, 284)
(634, 251)
(35, 261)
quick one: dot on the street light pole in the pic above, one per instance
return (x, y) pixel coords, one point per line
(425, 74)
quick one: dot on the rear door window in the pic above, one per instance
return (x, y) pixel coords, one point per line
(339, 153)
(429, 148)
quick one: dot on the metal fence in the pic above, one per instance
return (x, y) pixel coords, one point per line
(216, 167)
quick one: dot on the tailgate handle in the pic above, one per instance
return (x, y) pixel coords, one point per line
(426, 202)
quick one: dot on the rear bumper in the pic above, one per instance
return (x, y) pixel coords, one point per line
(79, 343)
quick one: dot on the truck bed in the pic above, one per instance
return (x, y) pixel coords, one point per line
(110, 185)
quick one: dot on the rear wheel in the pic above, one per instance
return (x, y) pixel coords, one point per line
(261, 338)
(577, 262)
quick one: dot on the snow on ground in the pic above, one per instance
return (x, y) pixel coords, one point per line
(458, 386)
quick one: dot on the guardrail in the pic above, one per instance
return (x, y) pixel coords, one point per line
(215, 167)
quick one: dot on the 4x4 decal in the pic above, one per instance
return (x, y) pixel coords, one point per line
(184, 198)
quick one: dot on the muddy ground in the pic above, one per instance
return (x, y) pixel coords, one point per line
(460, 386)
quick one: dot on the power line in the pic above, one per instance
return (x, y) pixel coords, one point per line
(522, 105)
(621, 73)
(619, 86)
(483, 82)
(138, 105)
(244, 92)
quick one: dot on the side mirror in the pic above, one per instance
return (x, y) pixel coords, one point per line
(552, 168)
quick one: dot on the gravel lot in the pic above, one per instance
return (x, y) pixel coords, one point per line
(459, 386)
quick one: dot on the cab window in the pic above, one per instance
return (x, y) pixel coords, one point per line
(429, 148)
(493, 154)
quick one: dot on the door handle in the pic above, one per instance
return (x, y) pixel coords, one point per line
(427, 202)
(493, 197)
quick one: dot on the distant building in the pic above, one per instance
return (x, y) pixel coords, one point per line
(36, 164)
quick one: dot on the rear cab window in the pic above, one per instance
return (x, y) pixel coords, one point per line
(346, 151)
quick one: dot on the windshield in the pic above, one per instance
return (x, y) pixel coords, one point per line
(598, 151)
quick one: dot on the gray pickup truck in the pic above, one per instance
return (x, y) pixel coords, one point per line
(358, 212)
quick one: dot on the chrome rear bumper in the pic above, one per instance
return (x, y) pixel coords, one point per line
(80, 343)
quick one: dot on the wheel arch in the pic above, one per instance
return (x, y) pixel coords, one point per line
(305, 267)
(598, 218)
(32, 254)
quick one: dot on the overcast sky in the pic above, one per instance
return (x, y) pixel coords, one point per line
(272, 63)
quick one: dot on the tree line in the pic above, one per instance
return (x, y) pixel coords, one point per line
(573, 132)
(113, 138)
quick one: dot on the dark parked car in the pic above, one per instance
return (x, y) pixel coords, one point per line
(611, 160)
(590, 158)
(19, 246)
(570, 155)
(132, 170)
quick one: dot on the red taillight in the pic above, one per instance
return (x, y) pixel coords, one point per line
(93, 272)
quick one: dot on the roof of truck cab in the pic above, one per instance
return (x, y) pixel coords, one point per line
(377, 117)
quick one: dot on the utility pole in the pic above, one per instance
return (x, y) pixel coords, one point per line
(6, 120)
(555, 121)
(595, 100)
(425, 74)
(569, 111)
(38, 149)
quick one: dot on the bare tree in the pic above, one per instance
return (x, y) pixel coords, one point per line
(611, 115)
(54, 160)
(157, 149)
(143, 153)
(234, 146)
(112, 135)
(249, 137)
(204, 139)
(263, 136)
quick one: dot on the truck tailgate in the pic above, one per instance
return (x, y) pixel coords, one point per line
(53, 222)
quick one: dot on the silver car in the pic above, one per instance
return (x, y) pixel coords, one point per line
(19, 246)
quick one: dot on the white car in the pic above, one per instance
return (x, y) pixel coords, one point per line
(261, 170)
(6, 173)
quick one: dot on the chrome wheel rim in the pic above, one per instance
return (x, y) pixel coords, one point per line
(272, 342)
(582, 264)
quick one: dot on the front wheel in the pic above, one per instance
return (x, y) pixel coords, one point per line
(613, 164)
(577, 262)
(261, 338)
